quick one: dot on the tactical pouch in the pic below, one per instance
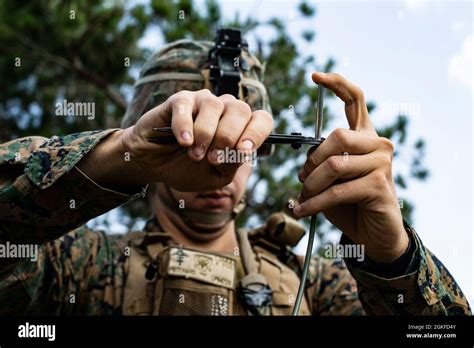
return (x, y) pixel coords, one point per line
(194, 283)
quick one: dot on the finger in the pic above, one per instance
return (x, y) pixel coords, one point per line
(180, 106)
(337, 168)
(350, 192)
(343, 142)
(205, 124)
(231, 125)
(353, 98)
(257, 130)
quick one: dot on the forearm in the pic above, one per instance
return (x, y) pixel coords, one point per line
(425, 288)
(111, 166)
(43, 195)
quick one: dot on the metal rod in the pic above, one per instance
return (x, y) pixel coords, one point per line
(312, 226)
(319, 113)
(307, 260)
(293, 139)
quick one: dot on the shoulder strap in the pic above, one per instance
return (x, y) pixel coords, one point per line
(144, 247)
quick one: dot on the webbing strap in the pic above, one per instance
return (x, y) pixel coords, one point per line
(247, 254)
(169, 77)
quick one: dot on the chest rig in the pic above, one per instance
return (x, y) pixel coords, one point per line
(166, 279)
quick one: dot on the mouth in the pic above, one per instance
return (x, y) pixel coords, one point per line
(215, 198)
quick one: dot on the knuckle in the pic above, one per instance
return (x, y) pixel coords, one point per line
(385, 161)
(379, 180)
(339, 135)
(242, 107)
(335, 164)
(212, 101)
(227, 98)
(204, 91)
(180, 97)
(357, 93)
(387, 145)
(337, 191)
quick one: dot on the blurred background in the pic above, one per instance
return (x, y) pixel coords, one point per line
(412, 58)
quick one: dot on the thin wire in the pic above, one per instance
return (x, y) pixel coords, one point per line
(307, 259)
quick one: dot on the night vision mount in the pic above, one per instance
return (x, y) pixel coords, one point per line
(226, 63)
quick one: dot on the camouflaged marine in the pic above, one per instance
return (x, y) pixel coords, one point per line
(81, 271)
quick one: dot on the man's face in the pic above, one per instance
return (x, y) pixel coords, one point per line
(220, 200)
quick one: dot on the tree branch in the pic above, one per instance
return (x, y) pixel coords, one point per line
(75, 66)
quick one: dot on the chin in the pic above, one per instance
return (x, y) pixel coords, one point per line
(211, 228)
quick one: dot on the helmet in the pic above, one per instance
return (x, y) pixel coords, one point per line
(194, 65)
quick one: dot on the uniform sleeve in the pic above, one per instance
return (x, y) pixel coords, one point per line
(80, 273)
(332, 289)
(427, 288)
(39, 205)
(38, 202)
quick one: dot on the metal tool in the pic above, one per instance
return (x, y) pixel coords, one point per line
(294, 139)
(312, 227)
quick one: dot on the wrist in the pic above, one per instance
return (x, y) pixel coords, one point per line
(401, 266)
(391, 253)
(110, 166)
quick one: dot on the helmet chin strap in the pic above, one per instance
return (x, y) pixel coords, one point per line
(191, 216)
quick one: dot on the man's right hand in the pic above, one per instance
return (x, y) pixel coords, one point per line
(202, 124)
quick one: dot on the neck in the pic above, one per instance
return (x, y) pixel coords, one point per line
(222, 240)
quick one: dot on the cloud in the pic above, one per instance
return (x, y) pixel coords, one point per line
(460, 65)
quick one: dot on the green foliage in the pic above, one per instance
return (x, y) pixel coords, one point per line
(84, 59)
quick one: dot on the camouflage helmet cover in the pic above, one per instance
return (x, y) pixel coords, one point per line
(184, 65)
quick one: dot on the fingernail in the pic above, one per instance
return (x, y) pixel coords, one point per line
(198, 150)
(247, 145)
(186, 135)
(214, 155)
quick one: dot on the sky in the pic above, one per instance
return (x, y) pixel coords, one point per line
(413, 56)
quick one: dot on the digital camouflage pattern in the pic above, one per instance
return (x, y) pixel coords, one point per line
(80, 271)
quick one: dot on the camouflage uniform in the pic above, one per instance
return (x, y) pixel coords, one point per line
(46, 200)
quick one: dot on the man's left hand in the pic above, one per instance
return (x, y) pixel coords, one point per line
(349, 178)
